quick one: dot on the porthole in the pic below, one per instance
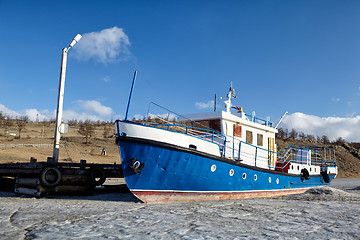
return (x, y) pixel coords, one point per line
(255, 177)
(231, 173)
(315, 170)
(213, 168)
(244, 176)
(269, 179)
(298, 168)
(292, 167)
(310, 169)
(277, 181)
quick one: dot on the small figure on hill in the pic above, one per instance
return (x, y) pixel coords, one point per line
(103, 152)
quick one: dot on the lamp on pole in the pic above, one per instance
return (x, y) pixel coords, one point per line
(59, 111)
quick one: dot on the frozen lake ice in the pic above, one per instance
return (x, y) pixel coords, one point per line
(321, 213)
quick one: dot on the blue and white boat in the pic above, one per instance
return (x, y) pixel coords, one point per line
(216, 155)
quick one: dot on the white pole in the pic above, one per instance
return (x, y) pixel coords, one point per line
(59, 111)
(59, 106)
(282, 117)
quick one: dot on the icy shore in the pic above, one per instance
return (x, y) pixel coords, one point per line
(321, 213)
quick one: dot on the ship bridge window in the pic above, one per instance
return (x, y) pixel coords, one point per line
(260, 139)
(237, 130)
(213, 124)
(249, 137)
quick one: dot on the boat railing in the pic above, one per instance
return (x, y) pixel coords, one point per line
(309, 155)
(167, 119)
(203, 133)
(328, 153)
(233, 148)
(251, 155)
(258, 120)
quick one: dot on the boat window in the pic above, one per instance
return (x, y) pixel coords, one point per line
(249, 137)
(214, 124)
(260, 140)
(237, 130)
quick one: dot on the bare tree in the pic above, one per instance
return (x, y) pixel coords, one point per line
(73, 122)
(325, 140)
(310, 138)
(87, 130)
(280, 133)
(106, 132)
(302, 136)
(293, 134)
(340, 141)
(8, 123)
(286, 133)
(21, 123)
(2, 118)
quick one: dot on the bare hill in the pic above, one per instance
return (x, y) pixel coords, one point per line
(347, 157)
(37, 141)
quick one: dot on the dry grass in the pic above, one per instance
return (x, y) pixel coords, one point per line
(37, 141)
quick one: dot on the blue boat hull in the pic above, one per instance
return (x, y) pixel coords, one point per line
(172, 173)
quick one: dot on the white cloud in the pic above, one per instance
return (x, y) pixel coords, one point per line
(106, 46)
(335, 99)
(138, 117)
(35, 115)
(163, 116)
(207, 105)
(32, 113)
(106, 79)
(333, 127)
(93, 106)
(8, 112)
(72, 115)
(118, 116)
(84, 110)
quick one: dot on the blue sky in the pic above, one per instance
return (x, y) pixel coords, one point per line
(297, 56)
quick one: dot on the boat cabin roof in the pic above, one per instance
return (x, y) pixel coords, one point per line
(238, 118)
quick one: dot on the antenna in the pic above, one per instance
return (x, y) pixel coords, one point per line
(215, 103)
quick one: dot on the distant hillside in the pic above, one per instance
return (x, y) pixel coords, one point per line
(86, 140)
(347, 155)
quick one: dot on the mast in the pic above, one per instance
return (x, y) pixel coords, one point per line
(227, 100)
(131, 90)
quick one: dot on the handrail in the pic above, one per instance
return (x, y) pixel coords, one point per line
(210, 135)
(254, 155)
(259, 120)
(315, 159)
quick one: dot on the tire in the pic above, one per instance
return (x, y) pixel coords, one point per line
(51, 177)
(305, 174)
(325, 176)
(97, 176)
